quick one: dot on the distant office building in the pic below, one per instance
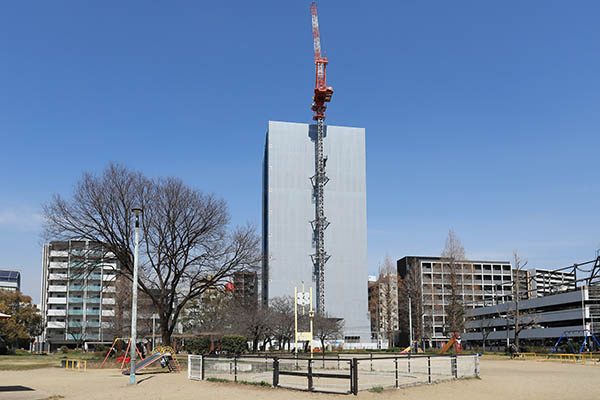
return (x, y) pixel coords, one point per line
(78, 294)
(383, 308)
(245, 288)
(480, 283)
(289, 208)
(10, 280)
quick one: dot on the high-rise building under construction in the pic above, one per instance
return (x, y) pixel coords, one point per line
(289, 207)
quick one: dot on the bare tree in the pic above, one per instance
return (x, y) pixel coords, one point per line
(208, 313)
(409, 287)
(327, 328)
(186, 245)
(453, 256)
(388, 299)
(518, 319)
(486, 326)
(282, 320)
(254, 323)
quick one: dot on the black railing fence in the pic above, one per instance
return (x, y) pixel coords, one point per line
(339, 373)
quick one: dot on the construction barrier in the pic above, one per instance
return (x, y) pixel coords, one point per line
(80, 365)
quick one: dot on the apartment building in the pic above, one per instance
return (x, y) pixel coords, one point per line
(480, 283)
(10, 280)
(545, 282)
(383, 308)
(77, 294)
(245, 288)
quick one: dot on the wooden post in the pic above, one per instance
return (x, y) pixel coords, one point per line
(275, 372)
(454, 366)
(396, 366)
(429, 369)
(202, 367)
(310, 376)
(235, 369)
(355, 376)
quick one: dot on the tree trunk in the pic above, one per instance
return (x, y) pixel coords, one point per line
(483, 350)
(164, 330)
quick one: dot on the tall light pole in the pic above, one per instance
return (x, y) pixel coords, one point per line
(410, 335)
(133, 346)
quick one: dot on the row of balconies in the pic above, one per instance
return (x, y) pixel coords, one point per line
(80, 312)
(81, 252)
(79, 287)
(63, 300)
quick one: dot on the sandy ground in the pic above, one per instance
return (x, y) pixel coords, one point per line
(510, 379)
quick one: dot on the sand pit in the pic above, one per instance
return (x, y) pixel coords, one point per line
(510, 379)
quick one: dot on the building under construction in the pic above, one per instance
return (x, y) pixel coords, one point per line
(289, 207)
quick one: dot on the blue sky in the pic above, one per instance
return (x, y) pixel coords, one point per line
(481, 116)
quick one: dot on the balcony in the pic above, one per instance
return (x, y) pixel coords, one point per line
(93, 324)
(57, 300)
(108, 313)
(57, 264)
(59, 253)
(55, 324)
(75, 299)
(93, 300)
(56, 277)
(108, 300)
(57, 288)
(74, 336)
(92, 312)
(57, 313)
(75, 324)
(94, 288)
(95, 277)
(110, 289)
(75, 312)
(76, 287)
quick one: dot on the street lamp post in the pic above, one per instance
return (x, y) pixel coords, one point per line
(133, 346)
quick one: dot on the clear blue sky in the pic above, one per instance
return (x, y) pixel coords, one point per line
(482, 116)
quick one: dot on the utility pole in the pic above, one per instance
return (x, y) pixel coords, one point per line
(322, 94)
(133, 346)
(410, 335)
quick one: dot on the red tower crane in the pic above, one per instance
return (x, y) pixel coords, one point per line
(322, 95)
(323, 92)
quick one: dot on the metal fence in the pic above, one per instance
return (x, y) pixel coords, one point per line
(341, 373)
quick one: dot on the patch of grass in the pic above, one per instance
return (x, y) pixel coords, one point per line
(261, 383)
(376, 389)
(217, 380)
(467, 378)
(221, 380)
(25, 367)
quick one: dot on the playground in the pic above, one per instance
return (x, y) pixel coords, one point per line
(500, 378)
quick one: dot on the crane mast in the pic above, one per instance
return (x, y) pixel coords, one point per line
(322, 95)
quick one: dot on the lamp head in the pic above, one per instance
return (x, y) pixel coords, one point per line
(137, 211)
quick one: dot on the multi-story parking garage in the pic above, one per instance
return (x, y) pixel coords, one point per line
(542, 319)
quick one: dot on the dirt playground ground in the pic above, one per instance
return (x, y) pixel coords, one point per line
(500, 379)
